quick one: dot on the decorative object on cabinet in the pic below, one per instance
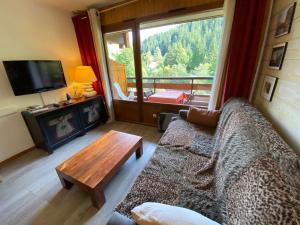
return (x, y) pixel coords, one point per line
(86, 76)
(285, 20)
(56, 126)
(75, 91)
(277, 56)
(268, 87)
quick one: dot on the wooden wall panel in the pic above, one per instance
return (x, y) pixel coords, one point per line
(129, 111)
(284, 109)
(126, 111)
(146, 8)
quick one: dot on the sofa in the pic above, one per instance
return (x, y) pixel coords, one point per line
(241, 172)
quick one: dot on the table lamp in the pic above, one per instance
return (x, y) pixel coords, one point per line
(86, 76)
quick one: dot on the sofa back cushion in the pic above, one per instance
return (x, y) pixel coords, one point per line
(203, 117)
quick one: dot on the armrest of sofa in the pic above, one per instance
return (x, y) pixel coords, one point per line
(119, 219)
(183, 113)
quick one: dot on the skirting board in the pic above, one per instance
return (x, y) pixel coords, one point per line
(15, 157)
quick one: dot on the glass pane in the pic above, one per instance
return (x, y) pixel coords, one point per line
(179, 61)
(119, 51)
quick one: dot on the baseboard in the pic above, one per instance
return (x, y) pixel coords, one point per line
(136, 122)
(14, 157)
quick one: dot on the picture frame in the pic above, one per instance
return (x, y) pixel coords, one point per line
(277, 56)
(268, 87)
(285, 20)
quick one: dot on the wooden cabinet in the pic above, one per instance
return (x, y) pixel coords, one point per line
(59, 125)
(91, 112)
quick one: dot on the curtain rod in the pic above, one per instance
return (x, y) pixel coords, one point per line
(116, 5)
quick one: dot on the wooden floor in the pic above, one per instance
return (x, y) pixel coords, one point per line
(31, 192)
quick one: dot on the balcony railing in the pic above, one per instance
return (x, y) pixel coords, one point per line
(191, 85)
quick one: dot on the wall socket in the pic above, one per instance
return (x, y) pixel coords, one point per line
(154, 115)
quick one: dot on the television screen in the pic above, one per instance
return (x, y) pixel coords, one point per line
(34, 76)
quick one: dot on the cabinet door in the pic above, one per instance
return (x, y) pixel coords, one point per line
(91, 113)
(61, 126)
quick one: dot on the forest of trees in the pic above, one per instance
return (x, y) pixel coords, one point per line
(189, 49)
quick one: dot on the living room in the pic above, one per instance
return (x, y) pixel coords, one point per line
(149, 112)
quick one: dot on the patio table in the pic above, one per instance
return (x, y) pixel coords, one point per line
(171, 97)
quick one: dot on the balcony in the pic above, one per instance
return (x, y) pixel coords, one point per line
(196, 90)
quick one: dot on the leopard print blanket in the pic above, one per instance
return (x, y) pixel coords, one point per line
(240, 173)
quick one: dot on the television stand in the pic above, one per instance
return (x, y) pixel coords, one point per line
(43, 109)
(41, 96)
(53, 126)
(32, 108)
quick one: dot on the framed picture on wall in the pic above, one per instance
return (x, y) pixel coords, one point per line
(277, 56)
(285, 20)
(268, 87)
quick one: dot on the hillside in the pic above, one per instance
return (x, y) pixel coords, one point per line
(189, 49)
(189, 44)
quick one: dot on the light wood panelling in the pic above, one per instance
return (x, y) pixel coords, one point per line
(31, 193)
(284, 109)
(117, 74)
(146, 8)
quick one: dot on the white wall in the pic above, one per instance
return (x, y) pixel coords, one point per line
(31, 30)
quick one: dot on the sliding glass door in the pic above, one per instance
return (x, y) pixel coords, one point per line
(121, 66)
(122, 73)
(162, 65)
(179, 60)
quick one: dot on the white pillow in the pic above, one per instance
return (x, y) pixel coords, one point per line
(151, 213)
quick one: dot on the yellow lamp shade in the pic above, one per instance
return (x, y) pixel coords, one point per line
(84, 74)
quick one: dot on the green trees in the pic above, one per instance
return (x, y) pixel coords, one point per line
(175, 55)
(192, 45)
(197, 56)
(188, 49)
(125, 57)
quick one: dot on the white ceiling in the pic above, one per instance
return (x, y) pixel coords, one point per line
(74, 5)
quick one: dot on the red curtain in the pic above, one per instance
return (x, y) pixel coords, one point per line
(86, 47)
(243, 49)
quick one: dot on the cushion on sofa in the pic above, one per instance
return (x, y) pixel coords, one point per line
(203, 117)
(119, 219)
(151, 213)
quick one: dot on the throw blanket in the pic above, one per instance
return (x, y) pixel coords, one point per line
(240, 173)
(180, 172)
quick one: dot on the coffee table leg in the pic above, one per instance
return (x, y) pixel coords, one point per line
(65, 183)
(97, 197)
(139, 151)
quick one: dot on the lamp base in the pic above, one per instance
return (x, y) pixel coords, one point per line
(89, 94)
(88, 90)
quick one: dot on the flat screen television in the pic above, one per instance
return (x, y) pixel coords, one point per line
(34, 76)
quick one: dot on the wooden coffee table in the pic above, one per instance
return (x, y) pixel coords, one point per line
(95, 165)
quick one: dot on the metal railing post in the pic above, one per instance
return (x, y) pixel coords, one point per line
(192, 86)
